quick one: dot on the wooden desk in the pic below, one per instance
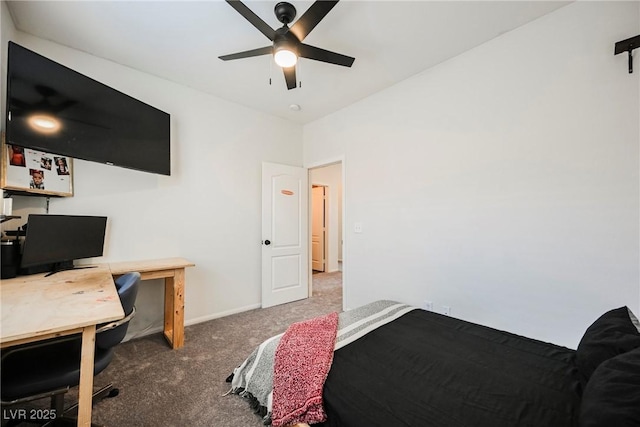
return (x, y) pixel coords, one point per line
(36, 308)
(172, 271)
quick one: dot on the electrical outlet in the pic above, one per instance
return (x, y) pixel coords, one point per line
(427, 305)
(446, 310)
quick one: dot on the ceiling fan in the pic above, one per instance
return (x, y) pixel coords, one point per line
(287, 42)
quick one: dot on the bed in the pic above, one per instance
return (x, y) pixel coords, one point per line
(396, 365)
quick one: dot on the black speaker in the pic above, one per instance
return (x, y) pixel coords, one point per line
(10, 258)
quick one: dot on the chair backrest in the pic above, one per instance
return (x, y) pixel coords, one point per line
(127, 286)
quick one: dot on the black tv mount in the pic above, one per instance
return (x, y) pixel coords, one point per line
(627, 46)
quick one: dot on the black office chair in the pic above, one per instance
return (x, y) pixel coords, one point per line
(49, 368)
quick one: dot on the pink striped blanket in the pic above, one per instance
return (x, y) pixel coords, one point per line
(302, 361)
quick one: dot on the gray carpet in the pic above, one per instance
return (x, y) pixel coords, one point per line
(185, 387)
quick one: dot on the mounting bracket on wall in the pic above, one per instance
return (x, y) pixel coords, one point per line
(627, 46)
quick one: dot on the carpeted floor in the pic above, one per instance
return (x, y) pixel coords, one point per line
(185, 387)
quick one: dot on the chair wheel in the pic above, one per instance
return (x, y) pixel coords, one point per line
(114, 392)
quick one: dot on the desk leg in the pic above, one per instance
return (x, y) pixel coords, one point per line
(85, 389)
(174, 309)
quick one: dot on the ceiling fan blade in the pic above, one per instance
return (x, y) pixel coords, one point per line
(267, 50)
(290, 77)
(312, 52)
(257, 22)
(308, 21)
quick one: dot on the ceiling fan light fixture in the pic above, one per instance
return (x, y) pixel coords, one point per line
(285, 57)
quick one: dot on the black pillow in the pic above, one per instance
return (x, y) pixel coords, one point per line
(612, 395)
(612, 334)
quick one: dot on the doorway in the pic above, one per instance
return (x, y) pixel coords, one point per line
(319, 216)
(326, 229)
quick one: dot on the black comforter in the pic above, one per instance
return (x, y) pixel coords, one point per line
(425, 369)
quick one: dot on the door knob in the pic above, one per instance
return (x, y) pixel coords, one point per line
(267, 242)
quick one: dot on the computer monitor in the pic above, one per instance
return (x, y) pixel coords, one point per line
(53, 242)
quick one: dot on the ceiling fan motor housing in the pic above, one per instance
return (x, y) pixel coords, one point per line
(285, 12)
(284, 36)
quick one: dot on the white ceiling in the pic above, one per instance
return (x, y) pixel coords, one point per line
(181, 41)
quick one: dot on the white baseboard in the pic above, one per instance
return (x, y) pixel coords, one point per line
(160, 329)
(221, 314)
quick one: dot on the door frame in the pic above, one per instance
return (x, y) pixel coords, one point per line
(318, 165)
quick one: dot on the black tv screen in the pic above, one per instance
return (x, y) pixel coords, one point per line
(57, 110)
(58, 240)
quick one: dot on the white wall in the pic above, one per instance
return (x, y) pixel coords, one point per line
(503, 182)
(208, 210)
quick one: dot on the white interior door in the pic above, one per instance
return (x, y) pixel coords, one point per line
(285, 256)
(318, 228)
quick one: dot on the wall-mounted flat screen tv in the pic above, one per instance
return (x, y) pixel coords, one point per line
(55, 109)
